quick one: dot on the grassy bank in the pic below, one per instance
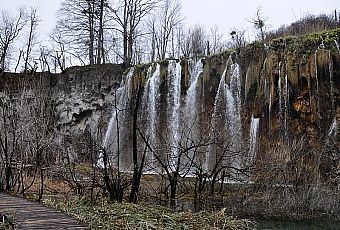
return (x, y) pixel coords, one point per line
(104, 215)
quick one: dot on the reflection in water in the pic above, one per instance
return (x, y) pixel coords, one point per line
(298, 225)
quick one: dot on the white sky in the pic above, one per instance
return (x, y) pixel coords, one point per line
(223, 13)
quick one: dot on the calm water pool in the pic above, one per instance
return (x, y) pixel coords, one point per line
(298, 225)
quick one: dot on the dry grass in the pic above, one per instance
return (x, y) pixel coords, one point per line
(131, 216)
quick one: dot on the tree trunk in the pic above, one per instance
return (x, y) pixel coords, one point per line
(173, 188)
(136, 176)
(3, 57)
(41, 192)
(91, 30)
(30, 37)
(125, 49)
(100, 54)
(8, 174)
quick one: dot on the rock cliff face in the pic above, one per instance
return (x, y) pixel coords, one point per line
(288, 88)
(277, 93)
(81, 97)
(84, 95)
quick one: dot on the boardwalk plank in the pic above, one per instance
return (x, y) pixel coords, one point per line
(32, 215)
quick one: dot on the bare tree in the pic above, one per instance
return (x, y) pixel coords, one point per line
(62, 51)
(259, 23)
(59, 56)
(238, 38)
(162, 26)
(9, 138)
(176, 160)
(194, 42)
(81, 23)
(33, 21)
(10, 27)
(128, 14)
(216, 42)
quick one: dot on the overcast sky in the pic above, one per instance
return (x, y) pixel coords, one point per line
(226, 14)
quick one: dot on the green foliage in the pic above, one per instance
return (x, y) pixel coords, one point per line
(306, 42)
(7, 225)
(132, 216)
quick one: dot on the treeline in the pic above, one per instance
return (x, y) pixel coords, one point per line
(124, 31)
(306, 25)
(104, 31)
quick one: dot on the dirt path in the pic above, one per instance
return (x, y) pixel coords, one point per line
(32, 215)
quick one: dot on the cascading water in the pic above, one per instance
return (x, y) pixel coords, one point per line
(337, 45)
(218, 117)
(233, 119)
(286, 104)
(317, 82)
(227, 109)
(173, 106)
(331, 82)
(246, 86)
(150, 101)
(191, 100)
(283, 94)
(333, 130)
(254, 125)
(112, 143)
(280, 95)
(191, 111)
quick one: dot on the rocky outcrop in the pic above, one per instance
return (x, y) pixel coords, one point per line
(291, 84)
(81, 96)
(84, 96)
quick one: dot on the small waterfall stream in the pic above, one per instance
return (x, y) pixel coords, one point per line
(150, 101)
(286, 105)
(112, 142)
(317, 82)
(333, 130)
(192, 107)
(233, 114)
(334, 126)
(283, 96)
(254, 125)
(173, 107)
(279, 85)
(227, 108)
(337, 45)
(331, 81)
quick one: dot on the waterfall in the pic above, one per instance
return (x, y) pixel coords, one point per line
(218, 131)
(317, 83)
(331, 80)
(227, 110)
(286, 102)
(191, 100)
(191, 110)
(173, 106)
(254, 125)
(111, 142)
(233, 118)
(150, 102)
(283, 95)
(280, 94)
(337, 46)
(333, 130)
(235, 85)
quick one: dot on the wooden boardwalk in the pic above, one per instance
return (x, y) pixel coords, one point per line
(32, 215)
